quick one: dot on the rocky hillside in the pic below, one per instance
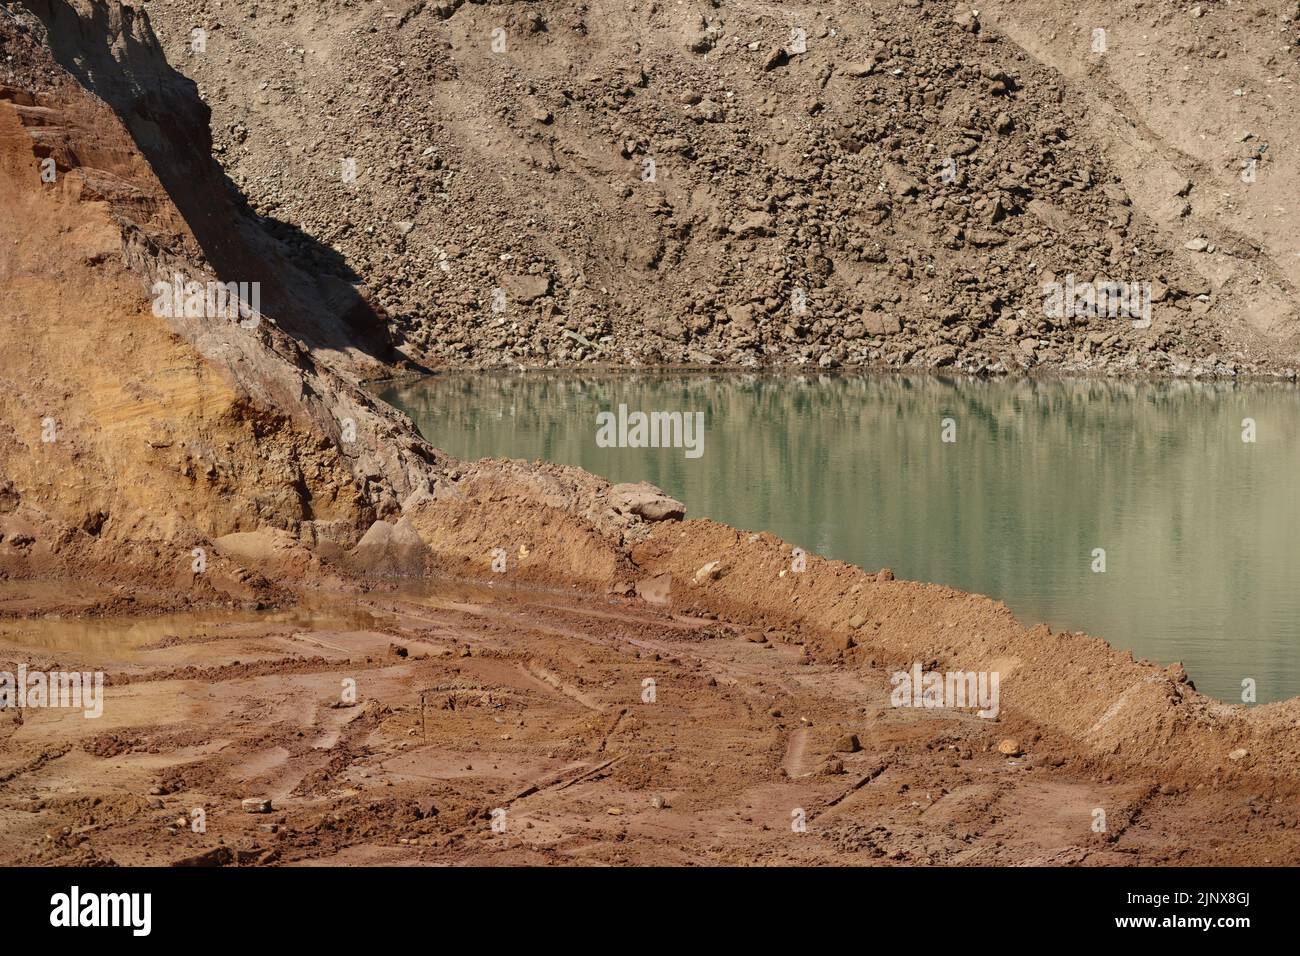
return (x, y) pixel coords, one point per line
(176, 457)
(836, 183)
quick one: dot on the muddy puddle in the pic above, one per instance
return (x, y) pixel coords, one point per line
(124, 638)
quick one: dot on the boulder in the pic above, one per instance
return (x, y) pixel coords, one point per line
(882, 323)
(646, 501)
(655, 590)
(526, 289)
(391, 549)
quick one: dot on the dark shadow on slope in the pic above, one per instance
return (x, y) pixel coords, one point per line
(307, 287)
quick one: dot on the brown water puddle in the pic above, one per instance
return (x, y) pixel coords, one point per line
(121, 638)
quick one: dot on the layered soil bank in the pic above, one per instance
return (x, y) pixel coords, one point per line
(157, 463)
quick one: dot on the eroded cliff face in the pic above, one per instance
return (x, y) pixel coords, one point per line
(110, 51)
(137, 426)
(129, 438)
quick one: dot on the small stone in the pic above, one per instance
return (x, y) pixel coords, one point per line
(655, 590)
(700, 43)
(775, 57)
(1239, 754)
(1010, 747)
(881, 323)
(256, 805)
(709, 572)
(848, 744)
(885, 574)
(1199, 244)
(856, 621)
(645, 501)
(658, 802)
(840, 642)
(525, 287)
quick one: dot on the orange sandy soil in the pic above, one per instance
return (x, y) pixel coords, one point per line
(473, 698)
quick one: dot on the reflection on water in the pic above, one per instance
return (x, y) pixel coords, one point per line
(1199, 528)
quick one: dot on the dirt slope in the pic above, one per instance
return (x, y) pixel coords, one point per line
(502, 212)
(1195, 106)
(130, 439)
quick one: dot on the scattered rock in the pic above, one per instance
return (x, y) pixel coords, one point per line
(391, 549)
(848, 744)
(709, 572)
(647, 501)
(655, 590)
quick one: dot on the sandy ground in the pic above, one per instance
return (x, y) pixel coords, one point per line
(494, 726)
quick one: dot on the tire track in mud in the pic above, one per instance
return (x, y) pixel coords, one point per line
(794, 763)
(744, 714)
(551, 681)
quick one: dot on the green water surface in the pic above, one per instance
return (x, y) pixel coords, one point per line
(1199, 527)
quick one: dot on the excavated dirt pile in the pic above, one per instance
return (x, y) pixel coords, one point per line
(376, 654)
(835, 184)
